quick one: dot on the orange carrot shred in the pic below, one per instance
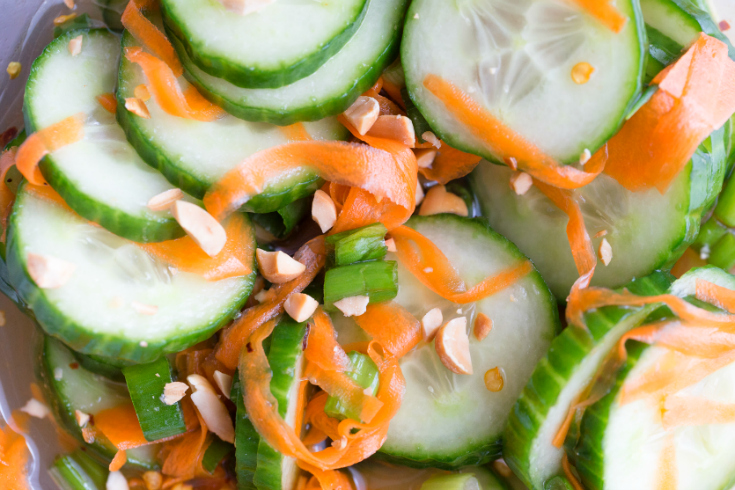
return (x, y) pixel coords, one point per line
(716, 295)
(121, 457)
(7, 160)
(430, 266)
(450, 164)
(14, 458)
(329, 479)
(120, 425)
(688, 261)
(667, 472)
(296, 132)
(507, 144)
(693, 410)
(392, 326)
(568, 473)
(322, 347)
(150, 36)
(45, 141)
(605, 12)
(108, 102)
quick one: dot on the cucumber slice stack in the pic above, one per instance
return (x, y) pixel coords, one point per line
(448, 420)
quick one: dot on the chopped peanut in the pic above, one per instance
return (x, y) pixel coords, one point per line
(431, 138)
(399, 128)
(88, 435)
(520, 182)
(501, 467)
(137, 107)
(58, 374)
(605, 251)
(69, 4)
(224, 383)
(300, 306)
(425, 157)
(34, 408)
(245, 7)
(164, 200)
(200, 226)
(419, 193)
(438, 201)
(153, 480)
(14, 69)
(278, 267)
(141, 92)
(391, 245)
(601, 234)
(483, 326)
(585, 156)
(323, 211)
(75, 45)
(2, 318)
(116, 481)
(64, 18)
(49, 272)
(581, 72)
(143, 308)
(453, 346)
(352, 306)
(363, 113)
(265, 295)
(494, 379)
(340, 443)
(173, 392)
(211, 408)
(81, 418)
(431, 322)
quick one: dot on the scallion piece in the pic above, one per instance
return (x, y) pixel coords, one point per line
(359, 245)
(78, 471)
(365, 373)
(558, 483)
(725, 210)
(146, 383)
(722, 254)
(215, 453)
(455, 481)
(378, 280)
(246, 440)
(710, 233)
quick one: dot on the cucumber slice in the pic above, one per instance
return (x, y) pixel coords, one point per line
(379, 475)
(282, 43)
(78, 471)
(71, 388)
(193, 155)
(647, 230)
(274, 471)
(111, 271)
(246, 440)
(567, 369)
(100, 177)
(515, 59)
(620, 447)
(329, 90)
(448, 420)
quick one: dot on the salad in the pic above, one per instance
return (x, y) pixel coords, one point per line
(377, 244)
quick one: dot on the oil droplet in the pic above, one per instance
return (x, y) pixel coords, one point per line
(494, 379)
(582, 72)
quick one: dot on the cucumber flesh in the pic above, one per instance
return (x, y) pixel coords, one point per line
(272, 48)
(94, 311)
(448, 420)
(326, 92)
(647, 230)
(101, 176)
(566, 370)
(515, 59)
(379, 475)
(71, 388)
(193, 155)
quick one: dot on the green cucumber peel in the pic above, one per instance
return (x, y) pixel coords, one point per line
(78, 471)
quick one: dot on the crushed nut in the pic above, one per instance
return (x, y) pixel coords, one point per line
(425, 157)
(245, 7)
(116, 481)
(164, 200)
(81, 418)
(2, 318)
(494, 379)
(363, 113)
(431, 322)
(49, 272)
(64, 18)
(300, 306)
(438, 201)
(431, 138)
(88, 435)
(137, 107)
(585, 156)
(605, 251)
(352, 306)
(453, 346)
(419, 193)
(483, 326)
(340, 443)
(399, 128)
(75, 45)
(69, 4)
(143, 308)
(14, 69)
(520, 182)
(601, 234)
(58, 374)
(173, 392)
(278, 267)
(265, 295)
(141, 92)
(153, 480)
(34, 408)
(323, 211)
(390, 244)
(201, 227)
(211, 408)
(224, 383)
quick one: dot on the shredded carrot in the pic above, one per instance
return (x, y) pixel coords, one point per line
(45, 141)
(322, 347)
(375, 170)
(693, 410)
(694, 98)
(605, 12)
(430, 266)
(329, 479)
(341, 386)
(296, 132)
(120, 425)
(313, 255)
(506, 144)
(235, 259)
(392, 326)
(121, 457)
(715, 295)
(14, 458)
(450, 164)
(690, 260)
(108, 102)
(322, 425)
(568, 473)
(150, 36)
(667, 471)
(165, 88)
(394, 92)
(7, 160)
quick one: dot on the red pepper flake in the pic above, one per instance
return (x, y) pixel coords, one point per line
(724, 25)
(74, 365)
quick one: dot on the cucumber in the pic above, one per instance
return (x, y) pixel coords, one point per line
(78, 471)
(101, 177)
(281, 44)
(326, 92)
(246, 439)
(193, 155)
(379, 475)
(71, 387)
(647, 230)
(566, 370)
(273, 470)
(621, 446)
(447, 420)
(93, 311)
(515, 60)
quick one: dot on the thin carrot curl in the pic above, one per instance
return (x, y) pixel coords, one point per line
(148, 35)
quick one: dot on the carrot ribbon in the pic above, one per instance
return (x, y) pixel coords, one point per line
(149, 36)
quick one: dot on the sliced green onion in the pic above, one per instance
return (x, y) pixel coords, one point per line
(359, 245)
(365, 373)
(146, 383)
(246, 440)
(455, 481)
(79, 22)
(378, 280)
(558, 483)
(710, 233)
(420, 126)
(215, 453)
(78, 471)
(722, 253)
(282, 222)
(99, 366)
(725, 210)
